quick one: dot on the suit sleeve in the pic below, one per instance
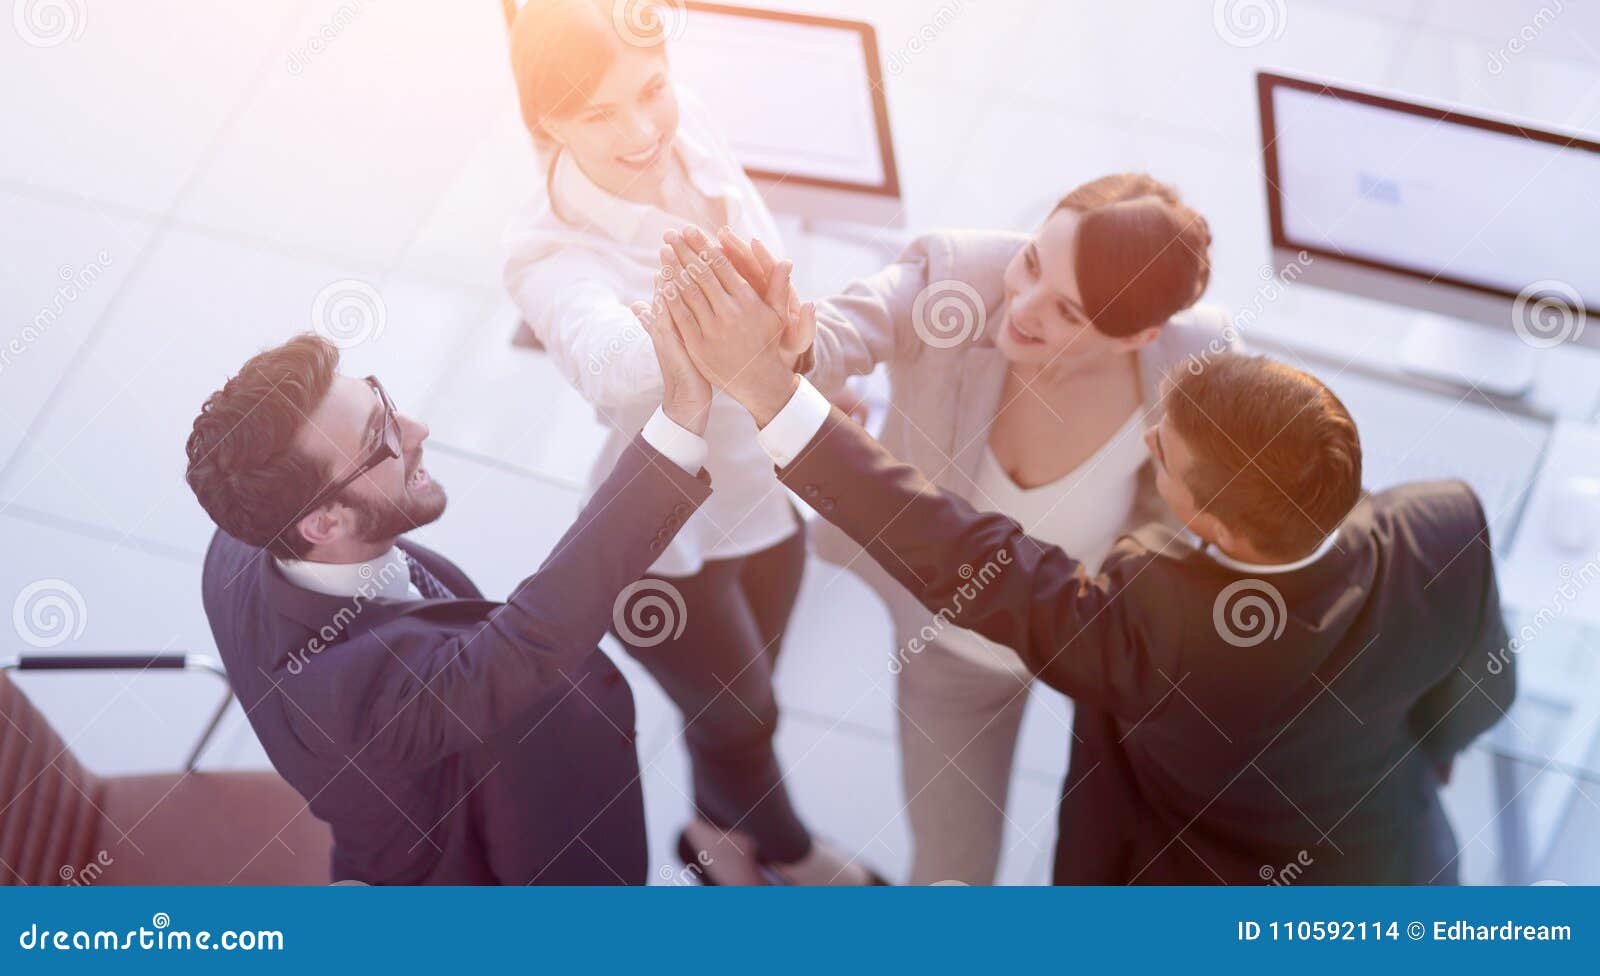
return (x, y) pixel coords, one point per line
(1480, 688)
(1080, 634)
(473, 686)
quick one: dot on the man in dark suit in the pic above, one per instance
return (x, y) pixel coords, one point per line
(445, 738)
(1274, 694)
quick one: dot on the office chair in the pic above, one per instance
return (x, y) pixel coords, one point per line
(61, 824)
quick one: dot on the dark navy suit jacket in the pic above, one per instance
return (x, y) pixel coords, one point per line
(1294, 736)
(460, 741)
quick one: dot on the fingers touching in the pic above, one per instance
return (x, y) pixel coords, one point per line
(715, 262)
(780, 286)
(765, 259)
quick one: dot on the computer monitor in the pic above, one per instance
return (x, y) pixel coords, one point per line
(1468, 218)
(801, 101)
(799, 98)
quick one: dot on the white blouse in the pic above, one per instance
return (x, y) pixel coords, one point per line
(574, 269)
(1084, 513)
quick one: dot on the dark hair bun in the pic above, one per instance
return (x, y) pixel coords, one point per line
(1143, 254)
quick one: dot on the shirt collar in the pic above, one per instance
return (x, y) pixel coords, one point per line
(1264, 569)
(387, 577)
(577, 194)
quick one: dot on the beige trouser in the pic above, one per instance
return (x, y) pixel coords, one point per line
(959, 723)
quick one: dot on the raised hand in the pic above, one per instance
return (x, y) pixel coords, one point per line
(687, 396)
(759, 267)
(732, 334)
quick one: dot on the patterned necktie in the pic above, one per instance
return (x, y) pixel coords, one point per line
(426, 583)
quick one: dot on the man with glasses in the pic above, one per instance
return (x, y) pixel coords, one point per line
(446, 738)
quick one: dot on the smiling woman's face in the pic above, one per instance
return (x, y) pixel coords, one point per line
(1045, 324)
(622, 135)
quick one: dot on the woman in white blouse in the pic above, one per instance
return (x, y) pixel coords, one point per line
(626, 157)
(1025, 372)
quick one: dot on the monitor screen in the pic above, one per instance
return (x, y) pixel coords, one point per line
(1431, 193)
(800, 98)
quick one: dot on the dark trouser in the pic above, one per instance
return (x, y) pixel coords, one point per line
(718, 672)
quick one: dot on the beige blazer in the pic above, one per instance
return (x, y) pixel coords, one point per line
(931, 316)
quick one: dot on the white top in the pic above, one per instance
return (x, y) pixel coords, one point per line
(388, 577)
(574, 277)
(1083, 512)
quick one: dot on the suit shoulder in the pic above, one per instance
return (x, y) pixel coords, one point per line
(972, 256)
(1442, 501)
(225, 559)
(1150, 558)
(1434, 516)
(1194, 335)
(1197, 329)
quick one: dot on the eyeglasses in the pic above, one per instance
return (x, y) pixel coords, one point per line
(388, 447)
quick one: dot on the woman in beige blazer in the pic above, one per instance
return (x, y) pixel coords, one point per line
(1025, 374)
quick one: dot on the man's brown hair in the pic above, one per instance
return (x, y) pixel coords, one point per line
(243, 466)
(1274, 454)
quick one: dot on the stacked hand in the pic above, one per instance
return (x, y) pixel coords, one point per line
(712, 328)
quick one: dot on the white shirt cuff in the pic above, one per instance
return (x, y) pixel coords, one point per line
(795, 425)
(682, 447)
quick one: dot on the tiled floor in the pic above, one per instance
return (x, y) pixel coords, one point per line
(218, 179)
